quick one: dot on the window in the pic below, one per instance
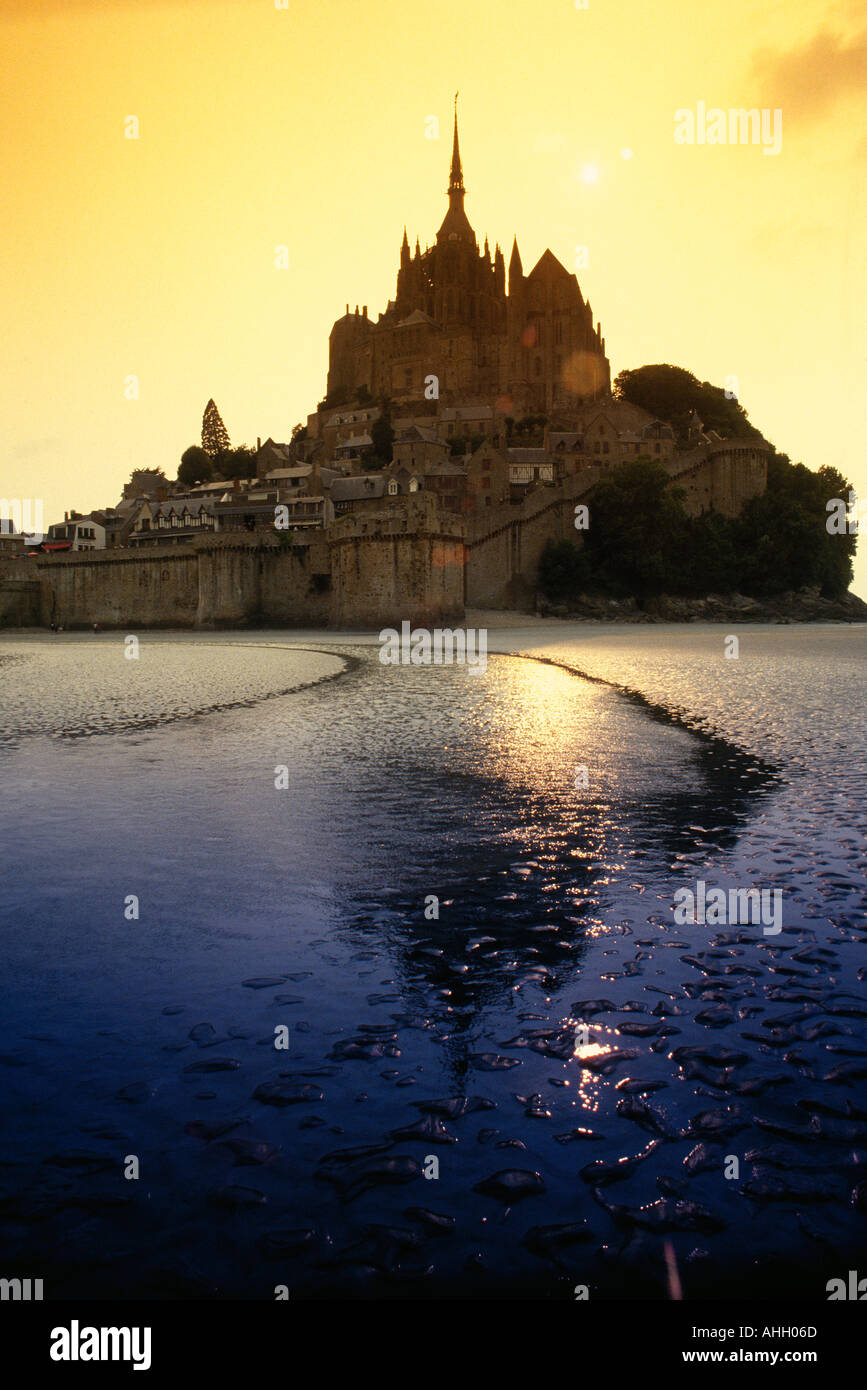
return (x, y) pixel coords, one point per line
(605, 447)
(392, 487)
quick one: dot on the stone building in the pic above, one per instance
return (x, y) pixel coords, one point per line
(418, 446)
(455, 329)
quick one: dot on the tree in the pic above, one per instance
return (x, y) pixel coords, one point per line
(670, 393)
(783, 534)
(642, 542)
(299, 432)
(236, 463)
(563, 570)
(215, 436)
(382, 439)
(638, 528)
(196, 466)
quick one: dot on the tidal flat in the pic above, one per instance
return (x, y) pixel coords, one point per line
(508, 1071)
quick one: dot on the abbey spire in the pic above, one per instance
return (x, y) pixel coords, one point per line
(455, 226)
(456, 181)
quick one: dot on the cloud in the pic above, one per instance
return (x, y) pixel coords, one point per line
(807, 81)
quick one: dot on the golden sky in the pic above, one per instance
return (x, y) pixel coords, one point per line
(305, 126)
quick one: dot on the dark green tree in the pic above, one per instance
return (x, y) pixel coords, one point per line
(670, 393)
(215, 437)
(236, 463)
(641, 541)
(563, 570)
(382, 440)
(638, 530)
(196, 466)
(783, 536)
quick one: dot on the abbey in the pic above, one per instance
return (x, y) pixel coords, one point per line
(531, 347)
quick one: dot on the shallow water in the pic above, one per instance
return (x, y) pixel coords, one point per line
(309, 907)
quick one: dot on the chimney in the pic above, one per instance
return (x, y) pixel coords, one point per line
(364, 312)
(258, 442)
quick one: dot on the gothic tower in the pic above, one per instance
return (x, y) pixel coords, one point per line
(532, 347)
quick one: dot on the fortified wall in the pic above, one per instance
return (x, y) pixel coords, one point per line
(505, 544)
(20, 598)
(396, 565)
(368, 572)
(373, 569)
(722, 476)
(213, 583)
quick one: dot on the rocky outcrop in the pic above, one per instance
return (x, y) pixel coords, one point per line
(800, 606)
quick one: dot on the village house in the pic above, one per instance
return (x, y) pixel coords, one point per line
(487, 476)
(181, 519)
(357, 493)
(75, 532)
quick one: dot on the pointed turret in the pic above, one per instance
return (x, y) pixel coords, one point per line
(404, 249)
(516, 270)
(499, 271)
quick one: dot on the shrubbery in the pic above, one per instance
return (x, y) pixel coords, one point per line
(641, 542)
